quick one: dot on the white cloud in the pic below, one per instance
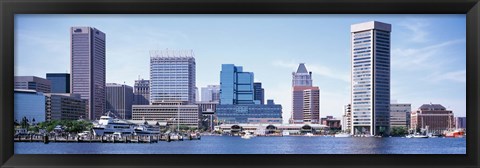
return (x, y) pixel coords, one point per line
(421, 57)
(418, 29)
(456, 76)
(315, 69)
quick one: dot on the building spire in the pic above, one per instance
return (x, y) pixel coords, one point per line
(302, 68)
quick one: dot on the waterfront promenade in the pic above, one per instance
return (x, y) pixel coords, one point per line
(259, 145)
(105, 139)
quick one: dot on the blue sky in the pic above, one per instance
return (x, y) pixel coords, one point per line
(428, 51)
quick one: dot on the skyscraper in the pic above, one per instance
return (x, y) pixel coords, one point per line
(236, 86)
(305, 98)
(370, 49)
(211, 93)
(119, 99)
(172, 76)
(259, 92)
(141, 91)
(60, 82)
(88, 68)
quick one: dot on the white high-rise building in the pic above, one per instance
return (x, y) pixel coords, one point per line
(172, 76)
(370, 74)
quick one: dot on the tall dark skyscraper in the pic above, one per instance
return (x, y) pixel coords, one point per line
(60, 82)
(259, 92)
(141, 91)
(88, 68)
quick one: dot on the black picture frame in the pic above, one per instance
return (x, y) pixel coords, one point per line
(9, 8)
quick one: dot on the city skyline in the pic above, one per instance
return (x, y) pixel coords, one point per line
(277, 57)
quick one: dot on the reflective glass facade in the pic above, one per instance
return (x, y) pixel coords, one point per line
(29, 104)
(60, 82)
(236, 86)
(259, 92)
(234, 114)
(370, 77)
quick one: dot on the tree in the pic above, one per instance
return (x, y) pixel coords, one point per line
(398, 131)
(24, 122)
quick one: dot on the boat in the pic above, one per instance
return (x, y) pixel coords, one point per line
(419, 136)
(146, 129)
(247, 135)
(176, 136)
(342, 135)
(108, 125)
(458, 133)
(309, 134)
(285, 133)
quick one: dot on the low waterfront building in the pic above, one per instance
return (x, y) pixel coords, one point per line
(64, 106)
(160, 124)
(400, 115)
(347, 118)
(263, 129)
(246, 113)
(435, 117)
(460, 122)
(29, 104)
(33, 83)
(331, 122)
(178, 114)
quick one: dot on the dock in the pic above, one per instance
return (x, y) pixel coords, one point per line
(104, 139)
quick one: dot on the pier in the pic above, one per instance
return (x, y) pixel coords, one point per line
(103, 139)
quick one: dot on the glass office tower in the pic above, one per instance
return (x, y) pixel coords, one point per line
(259, 94)
(236, 86)
(88, 68)
(370, 77)
(60, 82)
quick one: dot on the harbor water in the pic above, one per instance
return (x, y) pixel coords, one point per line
(258, 145)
